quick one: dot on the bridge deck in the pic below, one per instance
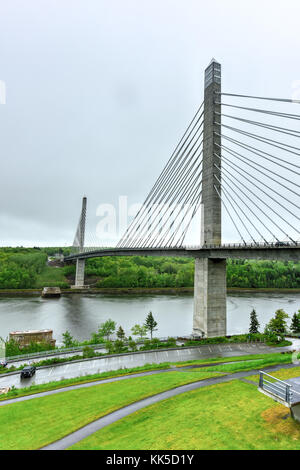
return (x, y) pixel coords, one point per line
(267, 252)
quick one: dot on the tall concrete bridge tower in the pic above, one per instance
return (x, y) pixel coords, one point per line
(210, 274)
(79, 243)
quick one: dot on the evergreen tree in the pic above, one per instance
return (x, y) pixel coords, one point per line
(150, 323)
(121, 333)
(295, 325)
(254, 324)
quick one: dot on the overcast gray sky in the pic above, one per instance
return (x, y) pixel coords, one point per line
(99, 92)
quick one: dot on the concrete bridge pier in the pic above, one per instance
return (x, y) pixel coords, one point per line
(210, 274)
(79, 277)
(210, 297)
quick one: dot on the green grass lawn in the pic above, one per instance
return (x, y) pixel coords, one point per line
(276, 357)
(249, 364)
(34, 423)
(232, 415)
(282, 374)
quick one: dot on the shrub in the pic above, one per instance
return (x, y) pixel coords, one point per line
(88, 352)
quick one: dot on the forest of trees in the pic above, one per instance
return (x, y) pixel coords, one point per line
(20, 268)
(24, 268)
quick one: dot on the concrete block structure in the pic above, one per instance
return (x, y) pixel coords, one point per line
(24, 338)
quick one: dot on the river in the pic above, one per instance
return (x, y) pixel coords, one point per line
(82, 313)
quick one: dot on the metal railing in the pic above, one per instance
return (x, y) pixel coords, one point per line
(56, 352)
(279, 389)
(243, 245)
(279, 244)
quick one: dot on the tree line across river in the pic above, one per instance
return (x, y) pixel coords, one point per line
(26, 268)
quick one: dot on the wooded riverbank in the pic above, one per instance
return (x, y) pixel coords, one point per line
(142, 290)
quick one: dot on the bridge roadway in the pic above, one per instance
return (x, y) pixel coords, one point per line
(100, 364)
(237, 251)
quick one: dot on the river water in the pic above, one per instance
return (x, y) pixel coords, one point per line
(82, 313)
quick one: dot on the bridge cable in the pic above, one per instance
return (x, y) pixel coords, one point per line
(185, 195)
(263, 111)
(267, 205)
(159, 191)
(197, 205)
(265, 140)
(161, 214)
(283, 100)
(259, 208)
(176, 177)
(163, 187)
(192, 205)
(250, 210)
(227, 162)
(282, 130)
(227, 195)
(170, 164)
(239, 156)
(185, 210)
(178, 181)
(261, 153)
(228, 212)
(245, 215)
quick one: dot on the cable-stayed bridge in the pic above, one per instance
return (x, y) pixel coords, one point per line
(237, 166)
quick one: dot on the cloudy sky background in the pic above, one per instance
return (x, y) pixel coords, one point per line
(98, 93)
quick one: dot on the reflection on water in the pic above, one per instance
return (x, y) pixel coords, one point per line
(82, 313)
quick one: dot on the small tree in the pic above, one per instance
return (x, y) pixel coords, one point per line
(121, 333)
(132, 344)
(139, 330)
(107, 328)
(278, 324)
(150, 323)
(295, 325)
(96, 338)
(118, 346)
(68, 340)
(254, 324)
(88, 352)
(109, 345)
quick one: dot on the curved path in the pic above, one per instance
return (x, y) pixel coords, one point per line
(107, 363)
(106, 420)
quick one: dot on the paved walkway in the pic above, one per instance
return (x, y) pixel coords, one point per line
(106, 420)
